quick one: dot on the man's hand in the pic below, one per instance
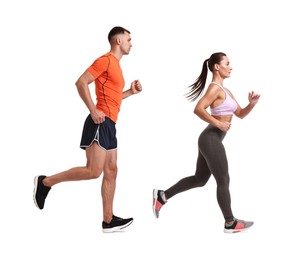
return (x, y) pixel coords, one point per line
(98, 116)
(136, 87)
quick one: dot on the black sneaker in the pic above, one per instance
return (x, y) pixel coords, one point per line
(40, 191)
(116, 224)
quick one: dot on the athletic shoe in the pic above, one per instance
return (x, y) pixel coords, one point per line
(238, 226)
(40, 191)
(158, 202)
(116, 224)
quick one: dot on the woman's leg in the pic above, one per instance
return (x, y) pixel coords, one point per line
(213, 150)
(200, 178)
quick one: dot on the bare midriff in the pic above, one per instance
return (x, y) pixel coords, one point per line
(227, 118)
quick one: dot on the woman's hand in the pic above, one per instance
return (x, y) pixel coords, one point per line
(253, 97)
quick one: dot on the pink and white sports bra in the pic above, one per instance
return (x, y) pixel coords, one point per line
(228, 107)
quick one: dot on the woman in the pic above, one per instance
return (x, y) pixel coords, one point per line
(211, 151)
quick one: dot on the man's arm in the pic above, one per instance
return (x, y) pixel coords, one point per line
(82, 85)
(135, 88)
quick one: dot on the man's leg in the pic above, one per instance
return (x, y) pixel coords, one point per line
(111, 222)
(109, 184)
(96, 157)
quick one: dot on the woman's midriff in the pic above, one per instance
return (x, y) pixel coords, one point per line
(227, 118)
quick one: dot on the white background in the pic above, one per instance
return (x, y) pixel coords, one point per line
(46, 45)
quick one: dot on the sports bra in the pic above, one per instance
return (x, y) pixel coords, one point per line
(228, 107)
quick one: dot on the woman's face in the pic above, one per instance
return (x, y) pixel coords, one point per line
(224, 67)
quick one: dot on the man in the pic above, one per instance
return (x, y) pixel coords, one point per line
(99, 132)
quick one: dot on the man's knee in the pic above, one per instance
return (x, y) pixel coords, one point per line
(95, 173)
(111, 172)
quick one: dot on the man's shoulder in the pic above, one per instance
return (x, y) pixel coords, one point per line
(107, 56)
(102, 59)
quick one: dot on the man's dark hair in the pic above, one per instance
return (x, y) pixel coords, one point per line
(116, 30)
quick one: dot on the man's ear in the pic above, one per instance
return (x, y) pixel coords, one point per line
(118, 40)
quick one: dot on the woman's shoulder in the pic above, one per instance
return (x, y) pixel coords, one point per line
(214, 87)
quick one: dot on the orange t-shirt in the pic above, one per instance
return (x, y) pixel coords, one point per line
(109, 82)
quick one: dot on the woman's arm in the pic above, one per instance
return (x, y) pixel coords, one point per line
(211, 95)
(243, 112)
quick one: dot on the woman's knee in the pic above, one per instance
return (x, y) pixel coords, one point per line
(202, 182)
(200, 179)
(224, 181)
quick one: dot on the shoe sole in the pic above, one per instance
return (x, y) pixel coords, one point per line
(155, 199)
(35, 190)
(116, 229)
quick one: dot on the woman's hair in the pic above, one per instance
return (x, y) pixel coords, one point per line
(198, 86)
(115, 31)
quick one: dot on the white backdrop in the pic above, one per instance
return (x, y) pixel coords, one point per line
(46, 45)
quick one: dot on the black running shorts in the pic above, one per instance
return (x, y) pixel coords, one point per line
(104, 134)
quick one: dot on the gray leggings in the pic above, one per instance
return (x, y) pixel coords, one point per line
(211, 160)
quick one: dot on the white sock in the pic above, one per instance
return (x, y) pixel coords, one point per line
(162, 194)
